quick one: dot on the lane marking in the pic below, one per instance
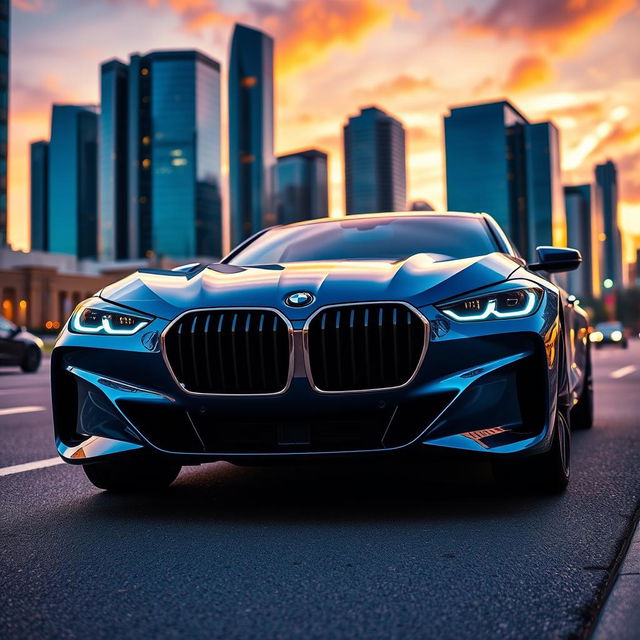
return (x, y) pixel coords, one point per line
(30, 466)
(11, 390)
(13, 410)
(624, 371)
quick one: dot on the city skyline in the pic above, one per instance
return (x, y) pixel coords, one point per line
(597, 116)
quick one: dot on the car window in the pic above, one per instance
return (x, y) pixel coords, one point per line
(6, 327)
(385, 238)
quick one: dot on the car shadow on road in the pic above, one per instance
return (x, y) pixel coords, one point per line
(341, 493)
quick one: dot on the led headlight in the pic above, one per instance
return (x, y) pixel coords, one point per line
(515, 303)
(109, 321)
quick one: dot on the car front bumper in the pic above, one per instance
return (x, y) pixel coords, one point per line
(484, 387)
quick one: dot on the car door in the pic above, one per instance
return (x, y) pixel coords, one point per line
(10, 349)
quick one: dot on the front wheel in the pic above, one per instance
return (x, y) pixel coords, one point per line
(31, 360)
(545, 473)
(132, 474)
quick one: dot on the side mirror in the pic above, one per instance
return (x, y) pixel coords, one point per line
(556, 259)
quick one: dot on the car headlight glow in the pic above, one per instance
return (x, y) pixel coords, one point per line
(616, 335)
(516, 303)
(596, 336)
(88, 319)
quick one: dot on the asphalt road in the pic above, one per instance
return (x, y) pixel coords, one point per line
(369, 552)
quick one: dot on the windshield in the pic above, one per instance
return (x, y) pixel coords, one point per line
(386, 238)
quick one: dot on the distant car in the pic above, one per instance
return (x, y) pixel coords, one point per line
(609, 333)
(19, 347)
(367, 335)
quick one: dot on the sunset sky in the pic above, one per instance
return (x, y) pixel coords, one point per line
(574, 61)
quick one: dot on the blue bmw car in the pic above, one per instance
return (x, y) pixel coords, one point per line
(398, 334)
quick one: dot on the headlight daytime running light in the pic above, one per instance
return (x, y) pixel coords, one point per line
(516, 303)
(89, 319)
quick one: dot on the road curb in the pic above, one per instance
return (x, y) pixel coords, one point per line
(619, 615)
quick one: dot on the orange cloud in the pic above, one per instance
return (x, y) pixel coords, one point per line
(562, 26)
(529, 72)
(30, 6)
(588, 110)
(402, 83)
(305, 30)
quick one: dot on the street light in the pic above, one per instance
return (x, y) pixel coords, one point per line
(608, 283)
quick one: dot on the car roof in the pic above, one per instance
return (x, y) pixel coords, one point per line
(391, 214)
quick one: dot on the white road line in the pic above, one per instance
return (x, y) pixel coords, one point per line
(13, 410)
(625, 371)
(30, 466)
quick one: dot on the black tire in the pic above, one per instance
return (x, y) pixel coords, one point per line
(31, 360)
(582, 412)
(545, 473)
(132, 474)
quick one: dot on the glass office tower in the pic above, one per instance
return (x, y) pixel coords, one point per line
(39, 196)
(582, 234)
(607, 195)
(374, 163)
(303, 191)
(498, 162)
(73, 180)
(251, 157)
(5, 32)
(174, 180)
(547, 223)
(486, 167)
(113, 229)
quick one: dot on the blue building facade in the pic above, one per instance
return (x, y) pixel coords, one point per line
(39, 191)
(303, 190)
(498, 162)
(375, 163)
(113, 227)
(607, 193)
(582, 234)
(73, 181)
(251, 156)
(173, 155)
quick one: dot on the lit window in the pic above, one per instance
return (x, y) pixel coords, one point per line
(179, 162)
(248, 81)
(144, 71)
(146, 163)
(146, 140)
(176, 153)
(247, 158)
(602, 236)
(22, 304)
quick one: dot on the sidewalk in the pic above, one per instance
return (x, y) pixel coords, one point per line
(620, 616)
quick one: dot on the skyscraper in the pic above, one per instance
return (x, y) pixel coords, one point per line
(5, 34)
(113, 224)
(40, 196)
(73, 188)
(582, 234)
(374, 162)
(607, 194)
(545, 198)
(173, 154)
(302, 186)
(496, 161)
(251, 158)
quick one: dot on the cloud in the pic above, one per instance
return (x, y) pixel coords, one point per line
(562, 26)
(402, 83)
(586, 110)
(305, 30)
(629, 171)
(29, 6)
(529, 72)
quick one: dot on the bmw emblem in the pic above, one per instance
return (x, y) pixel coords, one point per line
(299, 299)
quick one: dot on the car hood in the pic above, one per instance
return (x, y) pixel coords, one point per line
(419, 280)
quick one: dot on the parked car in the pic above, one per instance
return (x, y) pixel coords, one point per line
(19, 347)
(370, 335)
(611, 332)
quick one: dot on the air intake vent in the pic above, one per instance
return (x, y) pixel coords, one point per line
(230, 351)
(365, 346)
